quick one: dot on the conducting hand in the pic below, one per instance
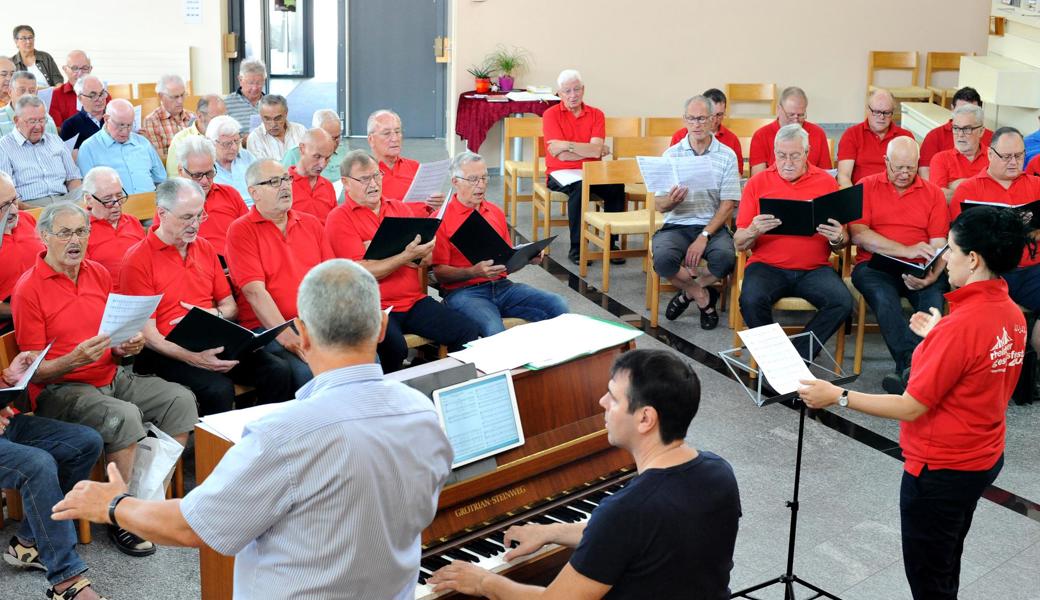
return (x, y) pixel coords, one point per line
(460, 576)
(763, 224)
(90, 499)
(818, 393)
(922, 323)
(529, 538)
(487, 268)
(90, 350)
(207, 359)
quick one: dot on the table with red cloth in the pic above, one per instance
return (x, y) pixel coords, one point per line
(474, 117)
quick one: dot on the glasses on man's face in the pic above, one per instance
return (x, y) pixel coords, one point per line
(82, 70)
(1010, 157)
(794, 116)
(6, 74)
(692, 119)
(228, 144)
(175, 97)
(902, 168)
(475, 179)
(203, 175)
(276, 181)
(965, 130)
(187, 220)
(719, 115)
(881, 114)
(95, 96)
(112, 201)
(368, 180)
(792, 157)
(36, 122)
(572, 90)
(25, 38)
(6, 205)
(121, 126)
(66, 234)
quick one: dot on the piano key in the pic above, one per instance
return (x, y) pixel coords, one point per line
(499, 536)
(586, 506)
(476, 547)
(460, 554)
(432, 563)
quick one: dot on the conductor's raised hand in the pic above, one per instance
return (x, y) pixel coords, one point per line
(528, 539)
(922, 323)
(90, 499)
(763, 224)
(90, 349)
(818, 393)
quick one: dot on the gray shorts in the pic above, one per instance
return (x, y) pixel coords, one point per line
(119, 410)
(672, 241)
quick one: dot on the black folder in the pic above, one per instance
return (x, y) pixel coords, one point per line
(899, 266)
(801, 217)
(478, 241)
(1033, 209)
(200, 330)
(395, 233)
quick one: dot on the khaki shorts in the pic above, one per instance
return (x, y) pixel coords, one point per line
(119, 410)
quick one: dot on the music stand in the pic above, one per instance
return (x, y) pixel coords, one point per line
(788, 579)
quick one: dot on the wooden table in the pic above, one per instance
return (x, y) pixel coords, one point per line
(536, 393)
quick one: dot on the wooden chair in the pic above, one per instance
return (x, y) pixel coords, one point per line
(655, 284)
(941, 61)
(746, 126)
(147, 105)
(738, 93)
(147, 90)
(516, 168)
(141, 206)
(897, 61)
(631, 147)
(121, 90)
(191, 103)
(623, 127)
(666, 126)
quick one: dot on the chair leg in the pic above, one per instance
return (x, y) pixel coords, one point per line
(83, 531)
(606, 260)
(839, 355)
(534, 221)
(178, 479)
(14, 505)
(861, 326)
(505, 198)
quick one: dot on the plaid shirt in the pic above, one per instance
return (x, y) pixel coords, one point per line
(160, 127)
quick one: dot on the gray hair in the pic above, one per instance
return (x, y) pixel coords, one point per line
(570, 75)
(222, 125)
(21, 75)
(706, 101)
(253, 172)
(46, 220)
(81, 82)
(793, 131)
(26, 101)
(322, 115)
(90, 179)
(168, 193)
(970, 109)
(464, 158)
(274, 100)
(793, 92)
(252, 66)
(354, 157)
(166, 81)
(195, 145)
(338, 300)
(372, 118)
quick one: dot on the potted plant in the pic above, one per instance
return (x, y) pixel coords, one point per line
(508, 63)
(482, 77)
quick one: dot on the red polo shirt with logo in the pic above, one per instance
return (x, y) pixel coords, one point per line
(318, 200)
(951, 165)
(108, 245)
(445, 253)
(762, 145)
(349, 229)
(223, 205)
(258, 251)
(965, 371)
(786, 251)
(941, 138)
(154, 267)
(918, 215)
(558, 123)
(724, 136)
(397, 179)
(1023, 190)
(862, 145)
(18, 253)
(63, 104)
(47, 305)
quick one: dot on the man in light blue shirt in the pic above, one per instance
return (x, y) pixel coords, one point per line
(39, 162)
(232, 159)
(118, 147)
(327, 495)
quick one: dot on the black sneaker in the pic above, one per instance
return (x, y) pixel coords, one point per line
(130, 544)
(574, 256)
(23, 557)
(895, 383)
(710, 320)
(677, 306)
(620, 260)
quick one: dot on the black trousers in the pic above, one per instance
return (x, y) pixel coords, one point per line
(613, 196)
(215, 392)
(427, 318)
(936, 509)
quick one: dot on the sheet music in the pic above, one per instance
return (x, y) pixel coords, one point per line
(566, 176)
(137, 118)
(527, 96)
(71, 142)
(444, 205)
(46, 94)
(662, 173)
(231, 424)
(125, 316)
(254, 121)
(428, 180)
(658, 174)
(776, 357)
(28, 375)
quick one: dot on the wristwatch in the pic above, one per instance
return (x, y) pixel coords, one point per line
(570, 146)
(114, 504)
(843, 399)
(705, 234)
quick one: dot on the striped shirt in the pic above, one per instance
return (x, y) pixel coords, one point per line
(326, 498)
(7, 121)
(239, 109)
(39, 170)
(263, 145)
(236, 175)
(135, 160)
(700, 206)
(160, 126)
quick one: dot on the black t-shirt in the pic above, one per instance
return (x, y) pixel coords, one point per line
(669, 533)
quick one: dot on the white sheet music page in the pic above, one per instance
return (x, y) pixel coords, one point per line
(232, 424)
(71, 142)
(658, 174)
(776, 357)
(428, 180)
(566, 176)
(125, 316)
(694, 172)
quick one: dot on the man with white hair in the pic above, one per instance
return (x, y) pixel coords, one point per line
(169, 117)
(791, 108)
(329, 121)
(7, 70)
(177, 262)
(223, 203)
(93, 96)
(950, 168)
(790, 265)
(861, 150)
(39, 162)
(64, 101)
(385, 138)
(23, 83)
(276, 134)
(129, 153)
(209, 107)
(574, 133)
(232, 159)
(312, 193)
(942, 137)
(112, 232)
(243, 104)
(21, 245)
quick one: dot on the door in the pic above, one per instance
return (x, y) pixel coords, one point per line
(391, 64)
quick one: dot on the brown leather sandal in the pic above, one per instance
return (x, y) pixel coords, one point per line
(72, 591)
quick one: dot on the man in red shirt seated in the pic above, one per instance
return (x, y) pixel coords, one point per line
(21, 245)
(61, 299)
(269, 250)
(789, 265)
(175, 261)
(943, 137)
(861, 151)
(111, 231)
(791, 109)
(312, 193)
(904, 216)
(385, 136)
(723, 135)
(196, 161)
(64, 97)
(483, 291)
(950, 168)
(350, 228)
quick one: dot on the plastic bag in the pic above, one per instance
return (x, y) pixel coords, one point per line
(156, 456)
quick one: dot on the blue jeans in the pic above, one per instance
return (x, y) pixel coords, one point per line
(429, 319)
(763, 285)
(43, 459)
(487, 303)
(883, 291)
(301, 373)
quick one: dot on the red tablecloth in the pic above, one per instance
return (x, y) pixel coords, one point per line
(474, 117)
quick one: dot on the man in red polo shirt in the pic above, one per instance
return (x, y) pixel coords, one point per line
(791, 109)
(268, 252)
(943, 138)
(64, 97)
(350, 228)
(385, 136)
(61, 299)
(312, 193)
(861, 151)
(723, 135)
(482, 291)
(196, 161)
(111, 232)
(21, 245)
(952, 167)
(177, 262)
(574, 133)
(789, 265)
(904, 216)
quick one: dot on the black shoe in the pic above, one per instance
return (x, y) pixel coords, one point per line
(676, 306)
(574, 256)
(619, 260)
(895, 383)
(130, 544)
(710, 320)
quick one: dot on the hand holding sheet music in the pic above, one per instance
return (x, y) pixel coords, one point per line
(125, 316)
(10, 394)
(776, 357)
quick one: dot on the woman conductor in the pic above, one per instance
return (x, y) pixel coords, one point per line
(953, 410)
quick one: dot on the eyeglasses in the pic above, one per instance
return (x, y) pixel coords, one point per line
(368, 180)
(881, 113)
(475, 179)
(1010, 156)
(276, 181)
(8, 204)
(792, 157)
(691, 119)
(720, 115)
(794, 116)
(6, 74)
(66, 234)
(965, 130)
(189, 219)
(902, 168)
(112, 201)
(121, 126)
(175, 96)
(36, 122)
(83, 69)
(95, 96)
(571, 90)
(204, 175)
(229, 143)
(25, 38)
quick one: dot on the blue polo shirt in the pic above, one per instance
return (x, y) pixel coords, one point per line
(138, 165)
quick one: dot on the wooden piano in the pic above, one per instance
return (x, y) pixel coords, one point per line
(565, 467)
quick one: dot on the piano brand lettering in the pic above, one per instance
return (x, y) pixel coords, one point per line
(490, 501)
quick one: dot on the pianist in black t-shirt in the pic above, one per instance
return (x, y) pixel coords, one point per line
(669, 533)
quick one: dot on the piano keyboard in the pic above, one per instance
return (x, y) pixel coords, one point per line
(486, 549)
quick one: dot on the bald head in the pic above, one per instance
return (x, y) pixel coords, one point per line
(904, 148)
(76, 65)
(316, 148)
(901, 161)
(119, 119)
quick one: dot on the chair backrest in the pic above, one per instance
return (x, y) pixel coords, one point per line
(520, 127)
(8, 349)
(146, 90)
(623, 126)
(597, 172)
(744, 126)
(941, 61)
(191, 103)
(35, 212)
(631, 147)
(141, 206)
(147, 105)
(883, 60)
(737, 93)
(121, 90)
(663, 125)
